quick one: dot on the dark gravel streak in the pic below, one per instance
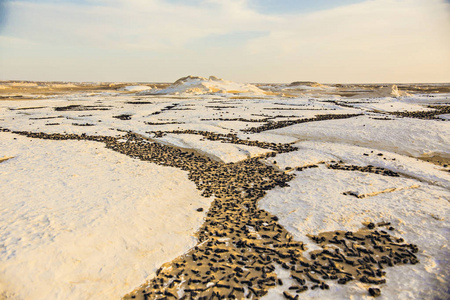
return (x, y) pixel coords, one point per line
(426, 115)
(231, 138)
(366, 169)
(281, 124)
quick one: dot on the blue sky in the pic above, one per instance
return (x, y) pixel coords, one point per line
(296, 6)
(241, 40)
(284, 6)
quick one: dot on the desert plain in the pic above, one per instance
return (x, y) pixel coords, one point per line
(210, 189)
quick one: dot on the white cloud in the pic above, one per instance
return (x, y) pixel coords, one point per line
(376, 40)
(150, 24)
(366, 37)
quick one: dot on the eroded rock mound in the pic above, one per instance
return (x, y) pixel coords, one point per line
(384, 91)
(199, 85)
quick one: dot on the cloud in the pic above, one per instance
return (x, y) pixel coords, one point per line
(374, 40)
(383, 37)
(134, 24)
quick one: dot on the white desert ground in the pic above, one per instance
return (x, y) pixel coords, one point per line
(103, 194)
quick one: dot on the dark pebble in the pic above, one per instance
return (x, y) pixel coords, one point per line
(374, 292)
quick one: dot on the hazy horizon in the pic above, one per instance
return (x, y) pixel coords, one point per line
(247, 82)
(264, 41)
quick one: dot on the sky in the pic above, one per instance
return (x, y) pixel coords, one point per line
(329, 41)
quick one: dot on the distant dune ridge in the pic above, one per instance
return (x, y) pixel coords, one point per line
(306, 84)
(197, 85)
